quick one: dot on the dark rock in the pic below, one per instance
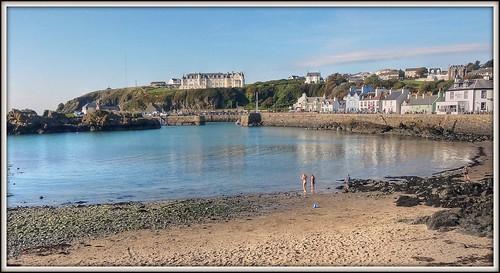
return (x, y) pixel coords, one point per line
(407, 201)
(28, 122)
(443, 219)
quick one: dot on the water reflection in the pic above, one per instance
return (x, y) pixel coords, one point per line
(215, 159)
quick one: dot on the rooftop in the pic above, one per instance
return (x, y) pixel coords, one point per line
(422, 100)
(393, 95)
(313, 74)
(472, 84)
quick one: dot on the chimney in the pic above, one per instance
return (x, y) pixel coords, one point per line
(423, 95)
(390, 91)
(408, 96)
(377, 91)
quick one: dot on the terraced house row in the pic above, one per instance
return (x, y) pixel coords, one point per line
(464, 97)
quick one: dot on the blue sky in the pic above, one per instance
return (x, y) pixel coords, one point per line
(56, 54)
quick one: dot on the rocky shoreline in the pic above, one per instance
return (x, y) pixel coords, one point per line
(434, 133)
(21, 122)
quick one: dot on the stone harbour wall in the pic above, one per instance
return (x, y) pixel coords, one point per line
(448, 127)
(184, 120)
(466, 124)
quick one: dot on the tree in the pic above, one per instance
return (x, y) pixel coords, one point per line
(60, 107)
(427, 87)
(473, 66)
(398, 85)
(374, 81)
(341, 90)
(443, 85)
(332, 82)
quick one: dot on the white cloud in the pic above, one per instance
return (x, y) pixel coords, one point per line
(390, 54)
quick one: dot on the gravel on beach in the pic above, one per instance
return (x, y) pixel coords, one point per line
(46, 228)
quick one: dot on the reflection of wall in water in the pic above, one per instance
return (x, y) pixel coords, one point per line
(315, 146)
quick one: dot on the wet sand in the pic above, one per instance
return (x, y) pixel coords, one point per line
(353, 229)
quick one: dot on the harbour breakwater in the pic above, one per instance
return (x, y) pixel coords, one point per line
(29, 122)
(201, 119)
(446, 127)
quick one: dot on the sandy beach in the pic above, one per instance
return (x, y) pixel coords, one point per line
(348, 229)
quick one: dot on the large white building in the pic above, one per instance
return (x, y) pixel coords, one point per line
(212, 80)
(467, 96)
(313, 77)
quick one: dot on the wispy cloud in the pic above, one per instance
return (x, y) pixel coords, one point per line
(389, 54)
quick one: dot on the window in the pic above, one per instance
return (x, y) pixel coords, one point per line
(483, 94)
(483, 106)
(452, 95)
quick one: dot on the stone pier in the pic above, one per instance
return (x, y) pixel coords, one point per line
(252, 119)
(184, 120)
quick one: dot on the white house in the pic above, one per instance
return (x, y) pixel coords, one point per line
(372, 102)
(89, 108)
(391, 103)
(353, 96)
(466, 96)
(333, 106)
(313, 77)
(174, 83)
(309, 104)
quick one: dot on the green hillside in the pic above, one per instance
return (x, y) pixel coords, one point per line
(275, 95)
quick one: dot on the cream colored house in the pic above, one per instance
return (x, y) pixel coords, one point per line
(309, 104)
(212, 80)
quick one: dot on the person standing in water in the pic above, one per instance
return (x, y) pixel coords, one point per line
(313, 181)
(346, 183)
(466, 173)
(303, 177)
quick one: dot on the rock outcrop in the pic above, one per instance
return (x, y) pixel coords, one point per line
(471, 202)
(28, 122)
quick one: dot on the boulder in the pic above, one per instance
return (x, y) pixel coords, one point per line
(407, 201)
(443, 219)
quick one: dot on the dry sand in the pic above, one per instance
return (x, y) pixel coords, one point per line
(348, 229)
(355, 229)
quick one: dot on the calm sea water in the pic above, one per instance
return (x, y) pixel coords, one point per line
(212, 160)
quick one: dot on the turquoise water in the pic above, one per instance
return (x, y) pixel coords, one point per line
(212, 160)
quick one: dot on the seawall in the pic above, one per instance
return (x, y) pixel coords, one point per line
(184, 120)
(451, 127)
(222, 118)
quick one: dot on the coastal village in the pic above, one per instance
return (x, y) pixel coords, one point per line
(465, 96)
(470, 93)
(359, 136)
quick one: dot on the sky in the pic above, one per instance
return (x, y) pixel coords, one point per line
(56, 54)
